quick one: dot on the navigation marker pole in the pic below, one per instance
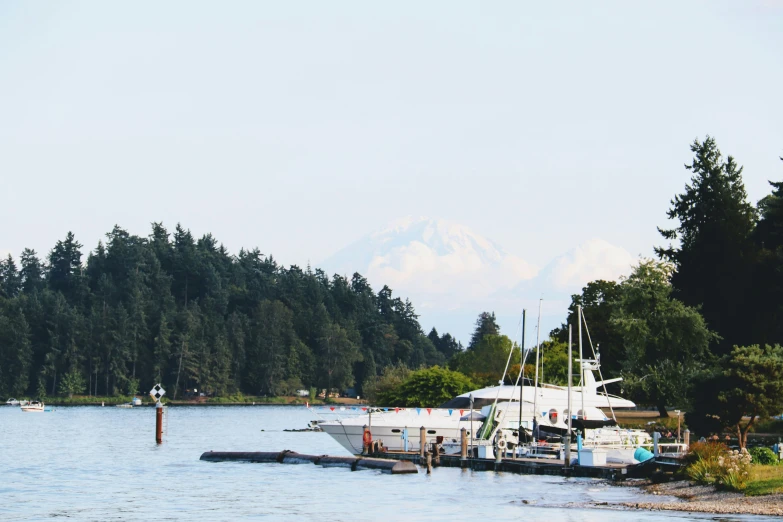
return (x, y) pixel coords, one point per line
(157, 392)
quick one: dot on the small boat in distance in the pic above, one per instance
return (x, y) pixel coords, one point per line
(134, 402)
(12, 402)
(33, 406)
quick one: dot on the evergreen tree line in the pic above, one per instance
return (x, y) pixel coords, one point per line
(182, 311)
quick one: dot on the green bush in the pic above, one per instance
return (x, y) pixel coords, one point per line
(763, 455)
(714, 463)
(427, 388)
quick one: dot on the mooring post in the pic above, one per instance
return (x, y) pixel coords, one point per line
(687, 438)
(422, 441)
(436, 452)
(159, 423)
(498, 452)
(429, 463)
(463, 450)
(656, 436)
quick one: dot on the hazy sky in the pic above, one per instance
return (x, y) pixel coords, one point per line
(298, 127)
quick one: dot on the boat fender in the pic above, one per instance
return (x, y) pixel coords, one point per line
(367, 438)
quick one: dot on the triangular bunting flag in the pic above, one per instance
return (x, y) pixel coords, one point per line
(461, 412)
(386, 409)
(364, 409)
(418, 411)
(332, 408)
(396, 410)
(353, 408)
(450, 411)
(429, 411)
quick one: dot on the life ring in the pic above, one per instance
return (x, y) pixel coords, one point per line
(502, 444)
(367, 438)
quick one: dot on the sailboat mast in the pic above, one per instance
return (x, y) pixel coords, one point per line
(570, 406)
(521, 371)
(581, 362)
(535, 385)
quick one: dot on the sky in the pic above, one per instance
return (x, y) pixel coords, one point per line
(301, 127)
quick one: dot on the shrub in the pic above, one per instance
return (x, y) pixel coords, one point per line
(763, 455)
(427, 388)
(706, 451)
(714, 463)
(734, 470)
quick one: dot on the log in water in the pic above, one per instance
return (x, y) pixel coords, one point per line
(395, 467)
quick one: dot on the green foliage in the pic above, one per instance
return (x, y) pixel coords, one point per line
(714, 463)
(71, 383)
(665, 341)
(390, 380)
(182, 311)
(485, 362)
(753, 387)
(486, 324)
(428, 387)
(598, 301)
(554, 364)
(713, 260)
(763, 455)
(131, 386)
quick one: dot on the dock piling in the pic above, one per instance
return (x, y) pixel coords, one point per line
(422, 441)
(463, 450)
(159, 423)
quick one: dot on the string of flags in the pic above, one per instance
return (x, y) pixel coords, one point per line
(365, 408)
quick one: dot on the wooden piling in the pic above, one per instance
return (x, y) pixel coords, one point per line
(463, 450)
(429, 463)
(436, 452)
(422, 441)
(159, 423)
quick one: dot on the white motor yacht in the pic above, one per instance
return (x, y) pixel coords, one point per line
(400, 427)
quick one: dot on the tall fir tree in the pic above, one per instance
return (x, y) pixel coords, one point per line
(713, 260)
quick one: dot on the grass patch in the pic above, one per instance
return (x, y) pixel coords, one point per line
(764, 480)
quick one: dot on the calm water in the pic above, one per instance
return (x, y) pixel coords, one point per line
(92, 463)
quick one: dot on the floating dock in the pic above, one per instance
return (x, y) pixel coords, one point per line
(393, 466)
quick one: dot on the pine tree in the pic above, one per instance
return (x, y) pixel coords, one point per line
(486, 324)
(714, 257)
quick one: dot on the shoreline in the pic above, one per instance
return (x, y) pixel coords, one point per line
(197, 403)
(695, 498)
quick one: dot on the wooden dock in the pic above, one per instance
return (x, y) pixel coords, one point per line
(406, 462)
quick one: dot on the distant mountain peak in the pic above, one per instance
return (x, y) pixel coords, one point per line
(435, 255)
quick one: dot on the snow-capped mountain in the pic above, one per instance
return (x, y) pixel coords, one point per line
(451, 274)
(439, 263)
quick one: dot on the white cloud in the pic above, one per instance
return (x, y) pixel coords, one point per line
(592, 260)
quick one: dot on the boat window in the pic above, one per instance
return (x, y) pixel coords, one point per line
(395, 430)
(431, 432)
(553, 416)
